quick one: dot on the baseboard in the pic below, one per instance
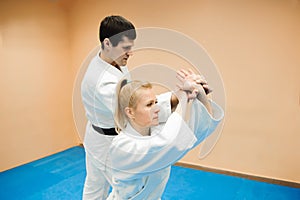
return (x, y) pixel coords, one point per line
(241, 175)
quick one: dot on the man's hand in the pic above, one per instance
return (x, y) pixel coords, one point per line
(193, 84)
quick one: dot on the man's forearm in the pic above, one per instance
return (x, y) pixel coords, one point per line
(174, 102)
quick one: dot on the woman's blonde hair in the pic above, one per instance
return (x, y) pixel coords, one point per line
(127, 96)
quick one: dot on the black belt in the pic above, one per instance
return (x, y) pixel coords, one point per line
(105, 131)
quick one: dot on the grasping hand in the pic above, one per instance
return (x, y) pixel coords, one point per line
(190, 82)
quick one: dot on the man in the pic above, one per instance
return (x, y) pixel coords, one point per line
(98, 88)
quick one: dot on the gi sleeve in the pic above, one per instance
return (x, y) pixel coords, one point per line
(202, 122)
(133, 157)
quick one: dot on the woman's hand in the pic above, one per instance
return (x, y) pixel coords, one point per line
(195, 85)
(192, 83)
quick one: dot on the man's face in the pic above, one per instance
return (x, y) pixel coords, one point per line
(122, 51)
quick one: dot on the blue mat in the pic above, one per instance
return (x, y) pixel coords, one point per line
(61, 176)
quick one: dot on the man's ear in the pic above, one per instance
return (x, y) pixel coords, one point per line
(106, 43)
(129, 112)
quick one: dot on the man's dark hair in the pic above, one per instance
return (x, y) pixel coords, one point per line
(114, 28)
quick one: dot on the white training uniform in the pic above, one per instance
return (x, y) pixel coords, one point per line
(141, 164)
(98, 90)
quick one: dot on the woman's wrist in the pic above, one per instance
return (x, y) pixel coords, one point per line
(201, 95)
(203, 98)
(182, 98)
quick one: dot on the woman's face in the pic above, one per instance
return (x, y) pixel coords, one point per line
(146, 112)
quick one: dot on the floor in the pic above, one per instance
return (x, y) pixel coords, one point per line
(61, 176)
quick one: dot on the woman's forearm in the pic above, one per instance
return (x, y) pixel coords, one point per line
(203, 98)
(182, 105)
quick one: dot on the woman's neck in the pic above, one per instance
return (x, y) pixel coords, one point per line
(144, 131)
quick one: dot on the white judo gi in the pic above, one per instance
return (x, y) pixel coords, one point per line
(141, 164)
(98, 90)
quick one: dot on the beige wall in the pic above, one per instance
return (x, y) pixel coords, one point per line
(255, 45)
(36, 82)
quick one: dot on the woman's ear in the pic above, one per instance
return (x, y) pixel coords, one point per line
(129, 113)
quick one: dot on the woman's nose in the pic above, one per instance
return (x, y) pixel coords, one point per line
(156, 108)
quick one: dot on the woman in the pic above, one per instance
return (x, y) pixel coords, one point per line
(142, 154)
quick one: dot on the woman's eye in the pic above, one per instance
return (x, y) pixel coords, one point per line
(149, 104)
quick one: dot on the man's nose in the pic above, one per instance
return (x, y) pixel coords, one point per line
(129, 53)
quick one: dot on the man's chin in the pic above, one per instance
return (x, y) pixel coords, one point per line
(124, 63)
